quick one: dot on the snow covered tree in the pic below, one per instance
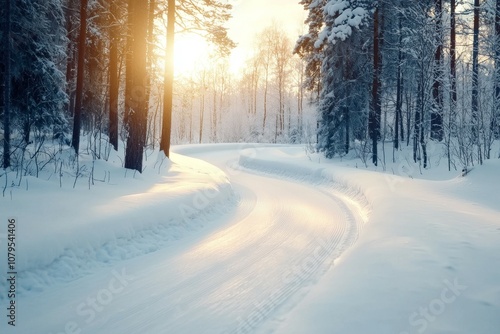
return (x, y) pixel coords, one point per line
(437, 94)
(207, 19)
(307, 47)
(343, 95)
(375, 103)
(495, 122)
(168, 80)
(114, 79)
(475, 78)
(82, 46)
(38, 93)
(453, 63)
(282, 55)
(274, 54)
(136, 79)
(5, 83)
(265, 61)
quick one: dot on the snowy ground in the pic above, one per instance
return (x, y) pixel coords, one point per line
(271, 240)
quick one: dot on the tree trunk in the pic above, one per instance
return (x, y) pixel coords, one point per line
(453, 62)
(265, 103)
(281, 107)
(417, 123)
(347, 129)
(214, 108)
(82, 38)
(169, 82)
(375, 108)
(137, 73)
(437, 100)
(202, 106)
(495, 124)
(409, 104)
(300, 98)
(150, 54)
(113, 76)
(70, 59)
(399, 98)
(202, 112)
(7, 84)
(475, 73)
(422, 135)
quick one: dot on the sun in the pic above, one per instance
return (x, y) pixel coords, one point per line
(189, 54)
(192, 53)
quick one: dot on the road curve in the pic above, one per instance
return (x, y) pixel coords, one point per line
(255, 265)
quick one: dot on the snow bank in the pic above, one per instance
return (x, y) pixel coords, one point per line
(282, 161)
(425, 262)
(64, 232)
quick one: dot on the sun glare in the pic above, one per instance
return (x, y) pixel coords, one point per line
(192, 53)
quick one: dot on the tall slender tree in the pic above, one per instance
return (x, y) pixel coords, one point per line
(475, 72)
(114, 81)
(204, 17)
(398, 119)
(168, 81)
(453, 59)
(82, 39)
(437, 96)
(7, 83)
(495, 122)
(308, 46)
(136, 79)
(71, 20)
(375, 104)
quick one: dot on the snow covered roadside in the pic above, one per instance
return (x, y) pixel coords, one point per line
(63, 233)
(426, 261)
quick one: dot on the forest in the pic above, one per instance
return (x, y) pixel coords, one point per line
(407, 72)
(362, 74)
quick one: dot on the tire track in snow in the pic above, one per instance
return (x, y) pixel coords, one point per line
(255, 267)
(332, 244)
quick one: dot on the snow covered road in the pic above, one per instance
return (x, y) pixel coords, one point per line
(249, 266)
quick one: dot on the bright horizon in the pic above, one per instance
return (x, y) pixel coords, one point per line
(248, 19)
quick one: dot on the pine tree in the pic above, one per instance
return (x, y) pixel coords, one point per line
(6, 82)
(114, 82)
(169, 81)
(38, 92)
(136, 79)
(342, 98)
(207, 18)
(375, 104)
(495, 122)
(309, 47)
(475, 78)
(82, 42)
(437, 95)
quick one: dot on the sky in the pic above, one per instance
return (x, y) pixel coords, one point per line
(249, 18)
(252, 16)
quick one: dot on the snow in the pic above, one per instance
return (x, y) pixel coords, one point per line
(424, 262)
(259, 239)
(123, 217)
(345, 18)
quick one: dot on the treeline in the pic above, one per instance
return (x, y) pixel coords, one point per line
(263, 101)
(70, 68)
(405, 71)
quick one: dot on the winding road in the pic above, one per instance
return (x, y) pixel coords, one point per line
(237, 275)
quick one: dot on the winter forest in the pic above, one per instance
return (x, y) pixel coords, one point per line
(249, 166)
(361, 74)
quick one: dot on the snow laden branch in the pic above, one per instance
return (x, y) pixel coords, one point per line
(341, 16)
